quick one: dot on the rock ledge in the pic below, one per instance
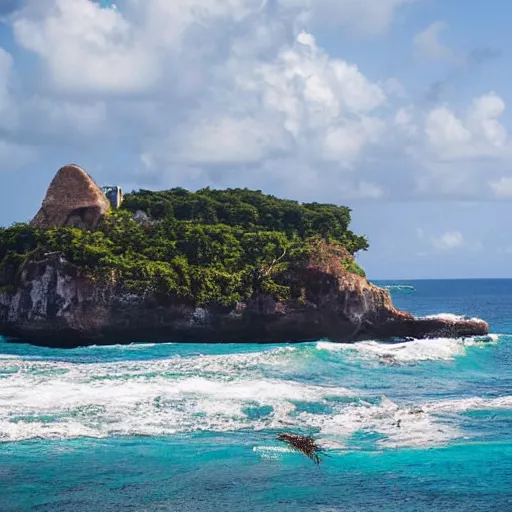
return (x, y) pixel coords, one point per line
(54, 304)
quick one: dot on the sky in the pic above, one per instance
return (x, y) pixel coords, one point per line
(396, 108)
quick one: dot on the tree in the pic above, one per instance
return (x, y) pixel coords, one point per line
(209, 246)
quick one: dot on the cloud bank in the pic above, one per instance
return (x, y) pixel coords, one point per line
(241, 93)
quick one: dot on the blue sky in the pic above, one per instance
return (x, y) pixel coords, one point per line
(398, 108)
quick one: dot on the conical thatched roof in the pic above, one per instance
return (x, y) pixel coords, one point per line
(72, 199)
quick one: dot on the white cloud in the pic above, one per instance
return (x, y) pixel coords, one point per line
(448, 241)
(368, 190)
(428, 44)
(5, 73)
(206, 83)
(239, 91)
(431, 244)
(483, 119)
(393, 87)
(307, 86)
(27, 120)
(502, 188)
(480, 134)
(7, 109)
(344, 143)
(404, 121)
(121, 50)
(226, 140)
(445, 132)
(84, 118)
(87, 48)
(302, 102)
(369, 17)
(129, 48)
(454, 153)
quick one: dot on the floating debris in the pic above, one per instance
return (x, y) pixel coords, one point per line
(303, 444)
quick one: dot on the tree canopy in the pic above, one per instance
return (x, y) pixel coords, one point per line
(251, 210)
(209, 246)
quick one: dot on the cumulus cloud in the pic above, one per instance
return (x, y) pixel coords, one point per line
(240, 92)
(445, 132)
(455, 151)
(480, 134)
(502, 188)
(39, 118)
(428, 42)
(405, 121)
(224, 140)
(5, 71)
(448, 241)
(124, 49)
(84, 118)
(368, 17)
(6, 110)
(86, 47)
(303, 102)
(483, 119)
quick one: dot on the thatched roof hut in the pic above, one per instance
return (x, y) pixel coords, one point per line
(72, 199)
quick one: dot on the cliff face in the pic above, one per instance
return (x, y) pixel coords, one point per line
(54, 304)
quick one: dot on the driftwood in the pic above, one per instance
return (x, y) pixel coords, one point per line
(303, 444)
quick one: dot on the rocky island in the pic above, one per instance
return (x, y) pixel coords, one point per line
(94, 267)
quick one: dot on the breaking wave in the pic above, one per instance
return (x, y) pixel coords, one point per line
(410, 351)
(252, 391)
(451, 317)
(159, 397)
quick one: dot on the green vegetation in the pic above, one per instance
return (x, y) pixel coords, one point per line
(211, 246)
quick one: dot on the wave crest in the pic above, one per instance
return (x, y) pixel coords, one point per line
(226, 393)
(440, 349)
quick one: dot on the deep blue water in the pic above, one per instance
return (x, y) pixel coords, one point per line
(420, 426)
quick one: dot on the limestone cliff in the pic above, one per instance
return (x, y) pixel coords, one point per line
(55, 304)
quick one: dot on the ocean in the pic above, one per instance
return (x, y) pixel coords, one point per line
(418, 426)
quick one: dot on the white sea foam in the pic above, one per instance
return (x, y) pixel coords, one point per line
(272, 449)
(407, 288)
(451, 317)
(129, 346)
(410, 351)
(271, 452)
(157, 397)
(221, 393)
(401, 426)
(469, 404)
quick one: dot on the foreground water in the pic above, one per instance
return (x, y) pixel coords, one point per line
(425, 425)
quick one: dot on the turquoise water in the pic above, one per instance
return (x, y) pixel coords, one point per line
(420, 426)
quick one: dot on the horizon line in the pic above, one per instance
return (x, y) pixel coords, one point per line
(440, 279)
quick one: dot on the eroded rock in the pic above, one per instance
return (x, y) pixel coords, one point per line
(56, 304)
(73, 199)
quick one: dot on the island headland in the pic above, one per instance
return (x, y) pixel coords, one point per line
(97, 267)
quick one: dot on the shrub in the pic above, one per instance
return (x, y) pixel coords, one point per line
(210, 246)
